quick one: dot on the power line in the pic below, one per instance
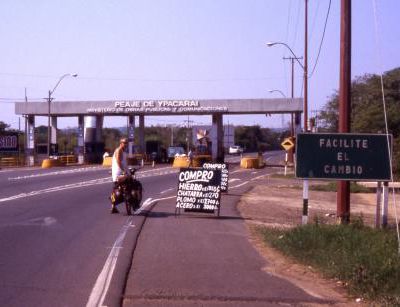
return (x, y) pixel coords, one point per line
(322, 39)
(147, 79)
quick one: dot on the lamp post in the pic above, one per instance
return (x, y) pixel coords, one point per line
(291, 117)
(49, 99)
(279, 91)
(304, 67)
(289, 155)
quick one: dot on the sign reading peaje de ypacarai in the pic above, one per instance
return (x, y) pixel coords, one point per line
(156, 106)
(343, 156)
(199, 189)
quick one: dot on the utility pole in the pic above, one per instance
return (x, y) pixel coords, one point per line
(306, 67)
(304, 218)
(292, 132)
(49, 99)
(189, 122)
(343, 188)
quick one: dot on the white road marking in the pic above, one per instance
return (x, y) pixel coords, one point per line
(167, 190)
(149, 201)
(39, 221)
(59, 188)
(76, 185)
(100, 289)
(103, 281)
(239, 185)
(69, 171)
(258, 177)
(233, 179)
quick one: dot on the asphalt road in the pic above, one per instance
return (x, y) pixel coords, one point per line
(60, 246)
(56, 234)
(197, 259)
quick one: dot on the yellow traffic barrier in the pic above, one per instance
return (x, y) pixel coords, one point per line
(198, 161)
(48, 163)
(181, 161)
(250, 162)
(107, 161)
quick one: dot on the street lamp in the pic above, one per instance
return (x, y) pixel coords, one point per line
(49, 99)
(304, 67)
(279, 91)
(291, 121)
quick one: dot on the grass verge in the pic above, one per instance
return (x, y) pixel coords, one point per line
(365, 259)
(332, 187)
(329, 186)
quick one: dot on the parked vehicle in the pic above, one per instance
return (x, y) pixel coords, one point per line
(235, 150)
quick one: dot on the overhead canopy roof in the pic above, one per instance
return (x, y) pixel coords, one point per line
(162, 107)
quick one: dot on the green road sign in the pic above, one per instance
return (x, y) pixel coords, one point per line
(343, 156)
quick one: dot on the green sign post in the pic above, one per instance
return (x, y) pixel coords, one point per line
(343, 156)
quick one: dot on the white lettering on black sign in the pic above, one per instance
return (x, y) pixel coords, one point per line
(224, 173)
(199, 189)
(8, 143)
(343, 166)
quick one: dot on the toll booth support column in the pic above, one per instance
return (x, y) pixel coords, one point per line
(99, 131)
(142, 147)
(131, 134)
(297, 123)
(217, 138)
(81, 156)
(94, 147)
(30, 140)
(53, 134)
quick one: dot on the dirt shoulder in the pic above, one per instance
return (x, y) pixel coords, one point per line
(278, 203)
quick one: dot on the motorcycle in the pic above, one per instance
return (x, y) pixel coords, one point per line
(129, 190)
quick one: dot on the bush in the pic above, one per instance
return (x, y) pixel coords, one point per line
(366, 259)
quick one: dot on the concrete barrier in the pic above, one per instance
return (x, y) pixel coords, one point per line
(107, 161)
(48, 163)
(181, 161)
(198, 161)
(250, 162)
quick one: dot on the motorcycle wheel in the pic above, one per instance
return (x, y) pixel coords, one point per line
(137, 199)
(128, 208)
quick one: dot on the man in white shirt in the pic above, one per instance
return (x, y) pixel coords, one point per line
(118, 167)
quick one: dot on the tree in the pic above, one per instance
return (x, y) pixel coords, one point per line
(254, 138)
(367, 112)
(3, 126)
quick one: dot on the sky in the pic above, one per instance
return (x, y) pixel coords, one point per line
(184, 49)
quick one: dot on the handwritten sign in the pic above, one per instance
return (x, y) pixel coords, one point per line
(223, 167)
(199, 189)
(343, 156)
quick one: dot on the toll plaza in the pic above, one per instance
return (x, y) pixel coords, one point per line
(90, 116)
